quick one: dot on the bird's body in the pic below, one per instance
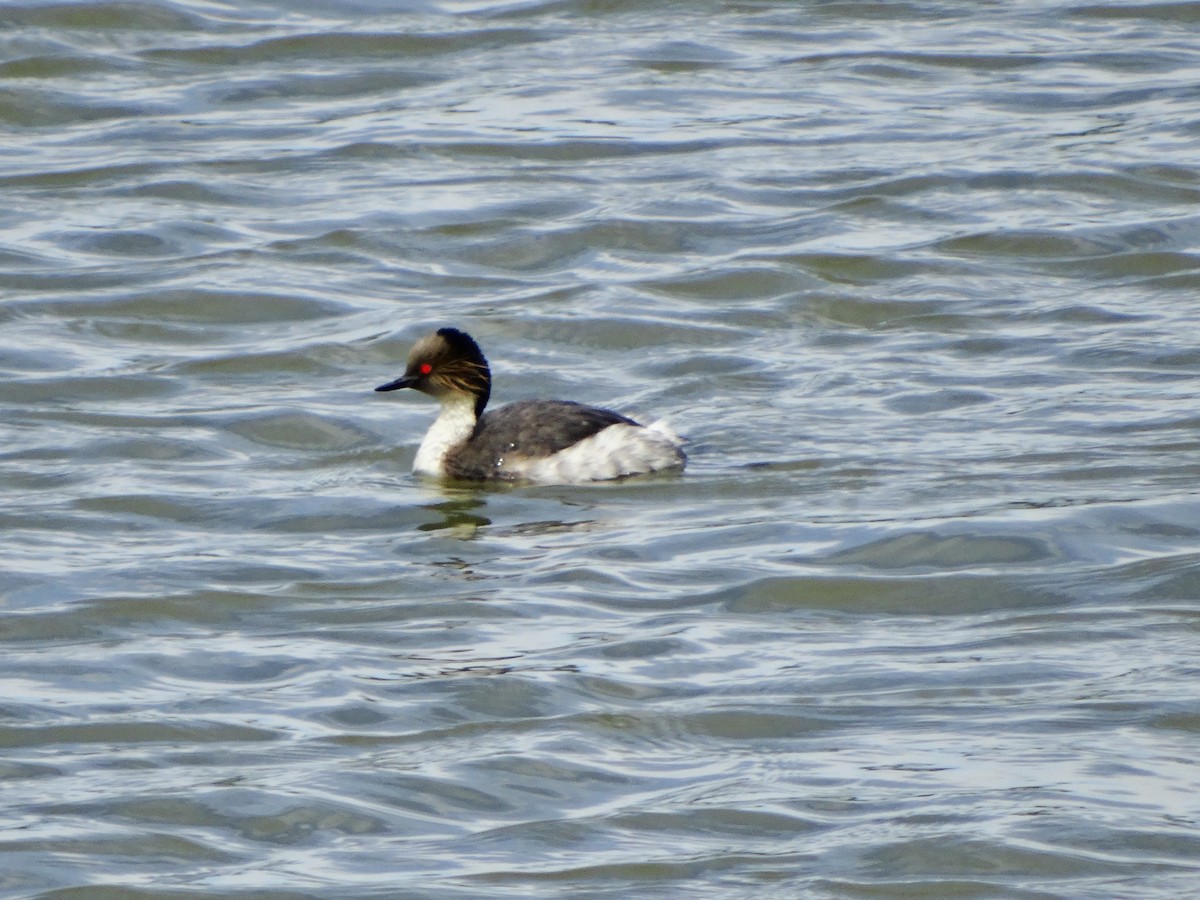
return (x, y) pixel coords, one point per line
(548, 441)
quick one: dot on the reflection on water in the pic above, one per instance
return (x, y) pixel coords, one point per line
(917, 283)
(458, 515)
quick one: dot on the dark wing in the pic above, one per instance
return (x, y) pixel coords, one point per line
(530, 428)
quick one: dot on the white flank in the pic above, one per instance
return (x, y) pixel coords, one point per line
(616, 452)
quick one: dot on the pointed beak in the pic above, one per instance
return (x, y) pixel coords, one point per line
(401, 382)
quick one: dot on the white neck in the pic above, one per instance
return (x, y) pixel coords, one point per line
(453, 425)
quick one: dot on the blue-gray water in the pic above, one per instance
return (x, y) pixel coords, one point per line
(918, 280)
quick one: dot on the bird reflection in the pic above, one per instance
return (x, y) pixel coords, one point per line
(456, 515)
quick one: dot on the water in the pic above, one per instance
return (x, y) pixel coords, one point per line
(918, 281)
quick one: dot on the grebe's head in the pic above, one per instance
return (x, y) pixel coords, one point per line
(446, 364)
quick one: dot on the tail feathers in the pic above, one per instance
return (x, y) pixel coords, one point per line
(663, 428)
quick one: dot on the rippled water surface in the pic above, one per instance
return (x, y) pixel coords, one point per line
(919, 282)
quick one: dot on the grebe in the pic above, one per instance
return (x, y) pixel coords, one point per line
(548, 441)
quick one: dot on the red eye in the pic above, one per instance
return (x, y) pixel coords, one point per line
(425, 368)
